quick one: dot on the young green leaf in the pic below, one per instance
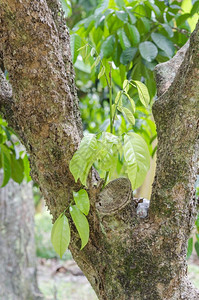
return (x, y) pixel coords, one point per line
(5, 158)
(131, 101)
(66, 5)
(142, 92)
(128, 114)
(87, 57)
(190, 247)
(101, 73)
(82, 201)
(113, 109)
(27, 168)
(109, 154)
(126, 86)
(197, 247)
(81, 224)
(118, 99)
(108, 157)
(110, 138)
(81, 48)
(60, 235)
(75, 42)
(96, 62)
(93, 51)
(84, 51)
(137, 157)
(83, 158)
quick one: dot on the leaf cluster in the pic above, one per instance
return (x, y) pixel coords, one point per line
(13, 158)
(61, 233)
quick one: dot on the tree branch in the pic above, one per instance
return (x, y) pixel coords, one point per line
(166, 72)
(36, 52)
(176, 115)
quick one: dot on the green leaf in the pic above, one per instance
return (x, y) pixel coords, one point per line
(105, 125)
(5, 158)
(122, 15)
(60, 235)
(124, 41)
(131, 101)
(118, 99)
(93, 51)
(154, 7)
(195, 8)
(137, 157)
(148, 51)
(146, 25)
(197, 236)
(108, 46)
(134, 33)
(197, 221)
(142, 92)
(82, 201)
(197, 248)
(190, 247)
(168, 30)
(108, 157)
(96, 62)
(110, 138)
(128, 114)
(27, 168)
(66, 5)
(83, 158)
(120, 3)
(182, 19)
(101, 73)
(75, 43)
(163, 43)
(84, 51)
(101, 7)
(108, 153)
(83, 47)
(131, 17)
(17, 169)
(126, 86)
(128, 55)
(81, 224)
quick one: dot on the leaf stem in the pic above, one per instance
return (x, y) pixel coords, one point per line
(116, 104)
(105, 179)
(110, 99)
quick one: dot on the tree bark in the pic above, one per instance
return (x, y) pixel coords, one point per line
(17, 246)
(127, 257)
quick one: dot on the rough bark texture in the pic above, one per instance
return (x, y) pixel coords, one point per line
(17, 246)
(127, 257)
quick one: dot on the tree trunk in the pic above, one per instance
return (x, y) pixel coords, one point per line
(17, 248)
(127, 257)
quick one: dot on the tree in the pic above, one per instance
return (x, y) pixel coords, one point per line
(127, 257)
(17, 251)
